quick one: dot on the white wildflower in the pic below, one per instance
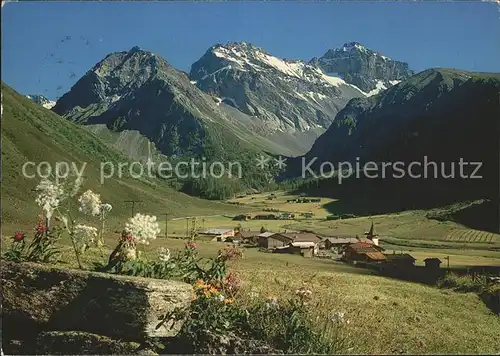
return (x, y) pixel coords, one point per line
(272, 303)
(49, 196)
(220, 297)
(143, 228)
(303, 293)
(90, 203)
(105, 207)
(338, 317)
(164, 254)
(84, 234)
(64, 220)
(76, 186)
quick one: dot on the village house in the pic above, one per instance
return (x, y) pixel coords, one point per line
(432, 262)
(218, 234)
(247, 236)
(305, 243)
(269, 240)
(286, 216)
(400, 259)
(363, 252)
(338, 243)
(305, 238)
(242, 217)
(303, 249)
(265, 217)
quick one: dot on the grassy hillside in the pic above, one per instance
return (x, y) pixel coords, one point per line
(33, 133)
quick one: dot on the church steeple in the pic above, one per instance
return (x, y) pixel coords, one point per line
(371, 234)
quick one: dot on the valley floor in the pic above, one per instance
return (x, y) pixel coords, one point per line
(385, 315)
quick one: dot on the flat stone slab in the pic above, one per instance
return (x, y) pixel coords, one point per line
(82, 343)
(54, 298)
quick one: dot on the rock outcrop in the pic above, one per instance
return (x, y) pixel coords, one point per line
(39, 298)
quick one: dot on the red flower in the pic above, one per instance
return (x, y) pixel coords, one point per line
(127, 236)
(41, 228)
(192, 245)
(18, 236)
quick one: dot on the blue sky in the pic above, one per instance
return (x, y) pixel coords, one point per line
(48, 46)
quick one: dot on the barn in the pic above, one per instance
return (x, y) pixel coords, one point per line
(270, 240)
(364, 252)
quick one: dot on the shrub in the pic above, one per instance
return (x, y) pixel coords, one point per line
(217, 323)
(464, 283)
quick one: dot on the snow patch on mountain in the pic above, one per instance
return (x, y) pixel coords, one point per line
(379, 86)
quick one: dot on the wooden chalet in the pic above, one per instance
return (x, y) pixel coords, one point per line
(339, 242)
(364, 252)
(400, 259)
(242, 217)
(305, 243)
(271, 240)
(432, 262)
(218, 234)
(247, 236)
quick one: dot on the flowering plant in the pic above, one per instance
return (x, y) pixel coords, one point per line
(90, 203)
(143, 228)
(40, 249)
(218, 322)
(51, 195)
(15, 251)
(104, 209)
(84, 236)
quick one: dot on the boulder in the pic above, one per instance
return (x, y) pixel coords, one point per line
(42, 297)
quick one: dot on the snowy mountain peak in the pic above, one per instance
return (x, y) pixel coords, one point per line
(369, 70)
(42, 100)
(353, 45)
(287, 94)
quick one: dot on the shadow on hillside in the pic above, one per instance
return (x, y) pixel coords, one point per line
(363, 197)
(432, 277)
(483, 216)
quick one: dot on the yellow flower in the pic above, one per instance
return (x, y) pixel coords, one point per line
(199, 284)
(228, 300)
(207, 293)
(213, 290)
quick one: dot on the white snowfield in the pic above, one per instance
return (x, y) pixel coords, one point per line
(379, 86)
(49, 105)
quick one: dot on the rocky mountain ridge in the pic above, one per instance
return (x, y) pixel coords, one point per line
(360, 66)
(288, 95)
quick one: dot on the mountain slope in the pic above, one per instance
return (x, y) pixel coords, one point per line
(32, 133)
(285, 95)
(370, 71)
(138, 90)
(438, 115)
